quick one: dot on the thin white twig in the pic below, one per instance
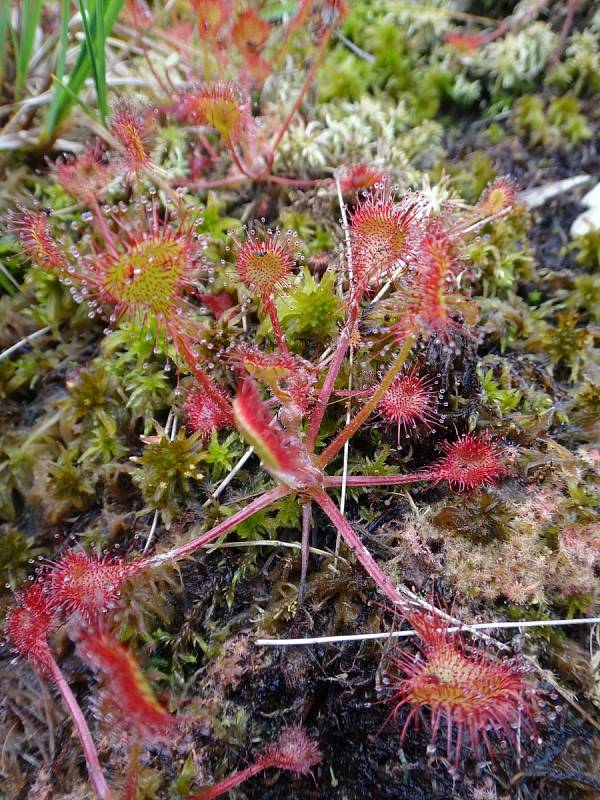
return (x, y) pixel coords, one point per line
(229, 477)
(152, 531)
(327, 353)
(387, 285)
(458, 232)
(8, 275)
(25, 340)
(346, 451)
(363, 637)
(369, 57)
(272, 543)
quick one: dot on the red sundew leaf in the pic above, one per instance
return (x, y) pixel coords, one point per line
(500, 195)
(37, 240)
(153, 264)
(470, 462)
(288, 376)
(204, 414)
(384, 232)
(464, 42)
(133, 128)
(437, 264)
(284, 456)
(126, 688)
(29, 624)
(217, 303)
(216, 104)
(86, 585)
(212, 17)
(467, 691)
(360, 176)
(265, 264)
(250, 33)
(409, 400)
(293, 751)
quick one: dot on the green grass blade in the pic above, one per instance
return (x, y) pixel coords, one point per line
(63, 101)
(89, 42)
(4, 22)
(7, 281)
(101, 90)
(76, 99)
(65, 9)
(31, 11)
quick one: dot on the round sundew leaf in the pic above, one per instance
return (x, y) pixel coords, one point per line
(148, 275)
(264, 265)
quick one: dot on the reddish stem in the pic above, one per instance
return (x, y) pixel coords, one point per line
(183, 347)
(510, 23)
(305, 87)
(377, 480)
(306, 518)
(277, 330)
(227, 784)
(185, 550)
(334, 370)
(238, 162)
(229, 180)
(297, 21)
(351, 538)
(104, 229)
(208, 146)
(565, 30)
(150, 65)
(97, 779)
(132, 776)
(358, 419)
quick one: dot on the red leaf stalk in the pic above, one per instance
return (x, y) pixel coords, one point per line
(352, 540)
(335, 481)
(184, 347)
(265, 500)
(97, 779)
(28, 626)
(310, 76)
(227, 784)
(294, 751)
(355, 423)
(331, 377)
